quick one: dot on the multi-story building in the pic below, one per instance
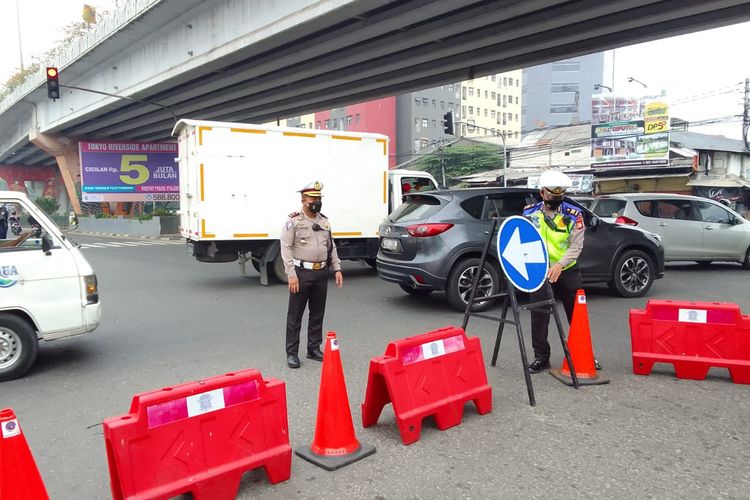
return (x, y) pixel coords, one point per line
(559, 93)
(492, 104)
(414, 122)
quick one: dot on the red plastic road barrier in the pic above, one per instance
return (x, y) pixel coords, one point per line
(436, 373)
(693, 336)
(199, 438)
(19, 477)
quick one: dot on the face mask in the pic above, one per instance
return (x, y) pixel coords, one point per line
(553, 204)
(315, 206)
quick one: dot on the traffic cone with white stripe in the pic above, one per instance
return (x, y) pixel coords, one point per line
(335, 443)
(581, 350)
(19, 477)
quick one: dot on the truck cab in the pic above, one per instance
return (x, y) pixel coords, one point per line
(48, 290)
(403, 182)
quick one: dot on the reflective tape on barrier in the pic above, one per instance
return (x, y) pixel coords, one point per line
(433, 349)
(198, 404)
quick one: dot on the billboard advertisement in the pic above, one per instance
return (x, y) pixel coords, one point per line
(629, 132)
(581, 183)
(129, 171)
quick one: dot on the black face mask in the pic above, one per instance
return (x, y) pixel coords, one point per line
(315, 206)
(553, 204)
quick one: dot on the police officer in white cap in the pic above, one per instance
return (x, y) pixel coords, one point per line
(561, 226)
(309, 254)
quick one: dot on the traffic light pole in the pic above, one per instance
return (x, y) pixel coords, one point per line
(505, 152)
(134, 99)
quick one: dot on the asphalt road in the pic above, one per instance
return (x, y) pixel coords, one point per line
(169, 319)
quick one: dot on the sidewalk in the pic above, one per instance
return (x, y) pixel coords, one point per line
(75, 232)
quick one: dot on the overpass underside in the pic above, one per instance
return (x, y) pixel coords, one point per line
(369, 49)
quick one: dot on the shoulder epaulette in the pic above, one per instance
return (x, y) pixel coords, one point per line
(530, 209)
(322, 215)
(572, 209)
(293, 215)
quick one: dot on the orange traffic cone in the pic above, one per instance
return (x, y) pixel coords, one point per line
(334, 444)
(19, 477)
(581, 351)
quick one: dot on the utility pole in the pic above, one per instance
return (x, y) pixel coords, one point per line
(18, 27)
(442, 160)
(746, 114)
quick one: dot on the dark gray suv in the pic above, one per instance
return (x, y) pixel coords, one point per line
(434, 241)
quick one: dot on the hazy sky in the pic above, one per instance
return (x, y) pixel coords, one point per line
(687, 67)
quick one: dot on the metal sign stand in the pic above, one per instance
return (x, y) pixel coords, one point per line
(508, 294)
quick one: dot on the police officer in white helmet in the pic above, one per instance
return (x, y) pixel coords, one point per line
(561, 226)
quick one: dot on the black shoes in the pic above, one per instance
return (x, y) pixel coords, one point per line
(538, 365)
(315, 354)
(293, 361)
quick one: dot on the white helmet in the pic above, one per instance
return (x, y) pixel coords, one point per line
(555, 182)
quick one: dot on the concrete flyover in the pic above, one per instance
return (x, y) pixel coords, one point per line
(256, 60)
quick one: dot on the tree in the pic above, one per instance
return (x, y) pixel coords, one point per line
(48, 205)
(460, 161)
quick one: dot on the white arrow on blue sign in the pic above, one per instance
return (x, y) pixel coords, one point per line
(522, 253)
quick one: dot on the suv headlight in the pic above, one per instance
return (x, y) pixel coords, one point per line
(92, 289)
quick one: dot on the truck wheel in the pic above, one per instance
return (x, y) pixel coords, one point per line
(18, 346)
(278, 270)
(461, 279)
(633, 274)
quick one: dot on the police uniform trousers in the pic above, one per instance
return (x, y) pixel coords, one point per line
(313, 289)
(565, 289)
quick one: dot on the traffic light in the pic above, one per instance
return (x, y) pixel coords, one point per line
(53, 86)
(448, 123)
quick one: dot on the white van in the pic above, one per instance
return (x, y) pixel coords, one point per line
(47, 288)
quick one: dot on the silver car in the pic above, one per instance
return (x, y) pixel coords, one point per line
(691, 228)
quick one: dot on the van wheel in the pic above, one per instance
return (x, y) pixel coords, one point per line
(461, 279)
(18, 346)
(633, 274)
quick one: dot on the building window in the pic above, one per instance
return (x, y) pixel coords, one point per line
(516, 116)
(493, 96)
(557, 88)
(450, 87)
(417, 101)
(424, 143)
(505, 101)
(301, 125)
(486, 94)
(450, 105)
(493, 113)
(563, 108)
(479, 111)
(505, 118)
(566, 66)
(434, 103)
(463, 128)
(424, 122)
(510, 117)
(434, 124)
(349, 119)
(492, 78)
(425, 102)
(471, 110)
(310, 125)
(442, 104)
(328, 124)
(463, 110)
(471, 91)
(505, 81)
(317, 124)
(516, 99)
(485, 112)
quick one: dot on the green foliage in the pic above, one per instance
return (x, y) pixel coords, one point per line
(461, 160)
(72, 31)
(48, 205)
(102, 215)
(161, 212)
(144, 217)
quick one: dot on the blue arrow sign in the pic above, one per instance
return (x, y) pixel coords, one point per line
(522, 253)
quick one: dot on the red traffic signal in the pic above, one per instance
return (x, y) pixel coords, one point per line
(53, 85)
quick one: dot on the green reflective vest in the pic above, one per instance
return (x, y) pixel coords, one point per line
(555, 239)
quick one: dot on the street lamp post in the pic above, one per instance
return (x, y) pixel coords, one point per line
(631, 80)
(598, 86)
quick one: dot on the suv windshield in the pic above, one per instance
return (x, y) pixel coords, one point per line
(416, 207)
(608, 207)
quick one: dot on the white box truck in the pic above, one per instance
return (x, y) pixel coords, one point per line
(239, 183)
(48, 290)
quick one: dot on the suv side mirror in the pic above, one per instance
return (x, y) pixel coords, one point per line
(46, 244)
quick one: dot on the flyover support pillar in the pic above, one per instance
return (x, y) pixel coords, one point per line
(65, 151)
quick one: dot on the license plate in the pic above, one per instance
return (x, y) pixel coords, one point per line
(391, 245)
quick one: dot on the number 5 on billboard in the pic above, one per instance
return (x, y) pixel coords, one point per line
(141, 172)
